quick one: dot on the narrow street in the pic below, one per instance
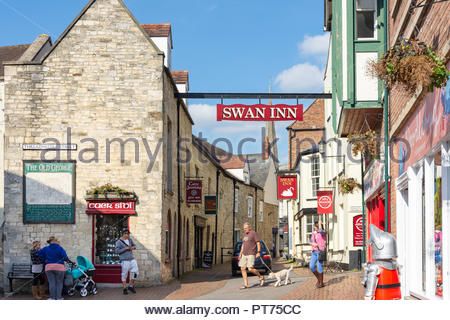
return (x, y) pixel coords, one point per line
(218, 284)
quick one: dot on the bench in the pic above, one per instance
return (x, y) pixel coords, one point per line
(19, 271)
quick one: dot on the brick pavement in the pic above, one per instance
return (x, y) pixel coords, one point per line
(338, 286)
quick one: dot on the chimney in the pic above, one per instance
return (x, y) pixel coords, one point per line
(181, 79)
(161, 35)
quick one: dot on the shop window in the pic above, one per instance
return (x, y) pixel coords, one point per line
(366, 19)
(250, 206)
(108, 231)
(315, 175)
(438, 225)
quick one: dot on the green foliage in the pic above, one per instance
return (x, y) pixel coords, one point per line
(348, 185)
(109, 188)
(411, 64)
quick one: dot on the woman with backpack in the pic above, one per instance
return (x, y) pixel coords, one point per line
(318, 253)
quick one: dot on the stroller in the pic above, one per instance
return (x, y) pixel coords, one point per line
(79, 278)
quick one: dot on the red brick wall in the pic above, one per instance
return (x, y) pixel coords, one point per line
(311, 132)
(433, 30)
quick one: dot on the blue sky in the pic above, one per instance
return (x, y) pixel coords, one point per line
(227, 45)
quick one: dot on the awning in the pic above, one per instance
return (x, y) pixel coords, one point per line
(305, 211)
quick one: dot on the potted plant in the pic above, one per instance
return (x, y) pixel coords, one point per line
(348, 185)
(366, 143)
(108, 191)
(411, 64)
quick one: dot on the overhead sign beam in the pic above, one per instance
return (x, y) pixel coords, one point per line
(251, 95)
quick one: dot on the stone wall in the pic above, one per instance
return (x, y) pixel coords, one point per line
(104, 81)
(2, 130)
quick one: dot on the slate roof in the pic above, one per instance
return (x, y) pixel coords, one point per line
(259, 169)
(11, 53)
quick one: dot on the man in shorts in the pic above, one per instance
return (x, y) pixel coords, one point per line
(250, 251)
(124, 248)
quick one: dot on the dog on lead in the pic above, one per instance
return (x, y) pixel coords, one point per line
(280, 275)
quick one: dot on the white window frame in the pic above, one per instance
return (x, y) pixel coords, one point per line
(315, 179)
(375, 20)
(250, 206)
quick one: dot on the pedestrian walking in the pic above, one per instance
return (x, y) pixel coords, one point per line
(54, 257)
(38, 286)
(124, 248)
(318, 253)
(250, 251)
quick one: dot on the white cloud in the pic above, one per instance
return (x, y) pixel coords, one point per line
(314, 45)
(303, 77)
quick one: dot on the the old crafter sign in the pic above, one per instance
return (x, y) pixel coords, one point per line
(259, 112)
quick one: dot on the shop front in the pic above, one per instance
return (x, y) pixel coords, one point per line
(374, 198)
(110, 217)
(423, 199)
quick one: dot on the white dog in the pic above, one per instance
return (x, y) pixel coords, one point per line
(279, 276)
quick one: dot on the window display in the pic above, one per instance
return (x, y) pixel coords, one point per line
(108, 230)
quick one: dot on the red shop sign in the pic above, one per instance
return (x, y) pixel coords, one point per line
(324, 202)
(104, 206)
(287, 187)
(358, 238)
(193, 191)
(259, 112)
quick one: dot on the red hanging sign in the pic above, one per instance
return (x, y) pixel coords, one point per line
(259, 112)
(358, 238)
(103, 206)
(324, 202)
(193, 191)
(287, 187)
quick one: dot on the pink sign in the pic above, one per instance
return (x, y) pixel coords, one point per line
(427, 126)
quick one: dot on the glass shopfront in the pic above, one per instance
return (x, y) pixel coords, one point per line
(421, 202)
(108, 230)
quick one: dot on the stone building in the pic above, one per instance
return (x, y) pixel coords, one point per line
(99, 107)
(103, 88)
(7, 53)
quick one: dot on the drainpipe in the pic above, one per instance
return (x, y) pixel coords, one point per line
(386, 128)
(256, 210)
(363, 258)
(234, 212)
(179, 185)
(217, 213)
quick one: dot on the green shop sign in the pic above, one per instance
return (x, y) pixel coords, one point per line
(49, 192)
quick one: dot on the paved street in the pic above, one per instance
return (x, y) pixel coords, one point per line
(218, 284)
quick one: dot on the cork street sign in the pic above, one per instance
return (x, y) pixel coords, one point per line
(259, 112)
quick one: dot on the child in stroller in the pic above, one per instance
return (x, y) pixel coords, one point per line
(79, 278)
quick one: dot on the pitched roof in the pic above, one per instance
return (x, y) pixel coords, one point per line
(222, 157)
(158, 29)
(180, 77)
(313, 117)
(11, 53)
(259, 169)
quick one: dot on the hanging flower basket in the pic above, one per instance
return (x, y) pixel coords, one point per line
(366, 143)
(348, 185)
(108, 191)
(411, 64)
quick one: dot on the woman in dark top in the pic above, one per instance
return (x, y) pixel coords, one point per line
(37, 268)
(54, 257)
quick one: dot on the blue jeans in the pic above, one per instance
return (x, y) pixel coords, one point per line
(315, 261)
